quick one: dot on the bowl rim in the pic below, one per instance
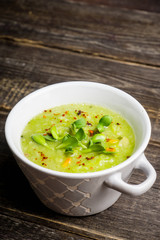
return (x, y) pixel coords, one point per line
(88, 175)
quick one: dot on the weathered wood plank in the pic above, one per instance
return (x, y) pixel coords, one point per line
(24, 68)
(38, 45)
(13, 228)
(115, 33)
(145, 5)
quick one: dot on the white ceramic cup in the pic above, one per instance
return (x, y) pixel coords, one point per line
(81, 194)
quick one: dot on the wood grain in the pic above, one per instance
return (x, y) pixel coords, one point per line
(115, 33)
(111, 42)
(13, 228)
(144, 5)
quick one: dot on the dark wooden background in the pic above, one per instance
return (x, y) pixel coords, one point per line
(108, 41)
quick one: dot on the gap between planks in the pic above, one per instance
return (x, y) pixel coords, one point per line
(40, 44)
(71, 228)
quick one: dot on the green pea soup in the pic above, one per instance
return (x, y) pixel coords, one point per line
(78, 138)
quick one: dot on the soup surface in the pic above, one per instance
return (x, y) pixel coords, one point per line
(78, 138)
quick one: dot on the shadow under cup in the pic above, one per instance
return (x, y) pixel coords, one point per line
(81, 194)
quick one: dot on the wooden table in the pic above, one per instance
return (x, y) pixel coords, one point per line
(111, 42)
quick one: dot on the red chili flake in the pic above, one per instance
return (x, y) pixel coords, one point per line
(89, 158)
(60, 120)
(84, 115)
(91, 132)
(44, 116)
(75, 110)
(110, 149)
(63, 114)
(83, 164)
(44, 134)
(42, 154)
(79, 156)
(66, 112)
(79, 112)
(78, 162)
(44, 164)
(89, 124)
(45, 110)
(50, 110)
(128, 156)
(96, 116)
(46, 129)
(118, 123)
(75, 118)
(108, 139)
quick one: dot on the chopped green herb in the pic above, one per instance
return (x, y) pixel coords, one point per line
(48, 137)
(97, 138)
(80, 135)
(38, 138)
(94, 148)
(80, 123)
(70, 142)
(54, 133)
(104, 122)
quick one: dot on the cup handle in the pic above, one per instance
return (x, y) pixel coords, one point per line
(116, 182)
